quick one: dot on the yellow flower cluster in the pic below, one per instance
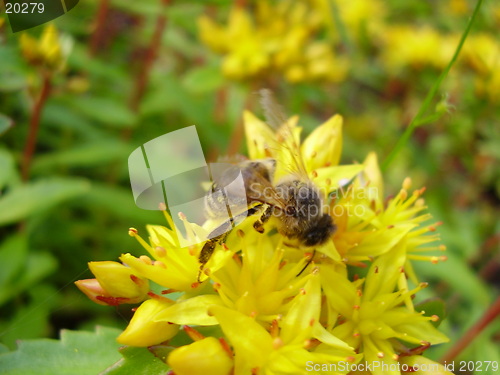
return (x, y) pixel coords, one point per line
(276, 37)
(350, 310)
(315, 40)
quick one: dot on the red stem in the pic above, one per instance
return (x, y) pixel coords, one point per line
(29, 148)
(475, 330)
(149, 58)
(151, 53)
(102, 16)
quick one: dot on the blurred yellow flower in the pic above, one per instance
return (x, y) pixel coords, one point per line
(271, 38)
(417, 47)
(46, 52)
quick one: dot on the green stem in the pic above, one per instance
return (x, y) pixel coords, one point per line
(416, 121)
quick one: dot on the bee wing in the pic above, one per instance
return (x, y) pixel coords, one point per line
(286, 138)
(260, 189)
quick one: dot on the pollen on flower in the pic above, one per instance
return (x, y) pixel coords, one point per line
(240, 233)
(192, 250)
(380, 355)
(132, 232)
(182, 216)
(442, 247)
(356, 307)
(350, 359)
(423, 285)
(403, 194)
(328, 181)
(159, 264)
(434, 260)
(314, 174)
(277, 343)
(434, 318)
(162, 206)
(145, 259)
(160, 252)
(195, 285)
(407, 183)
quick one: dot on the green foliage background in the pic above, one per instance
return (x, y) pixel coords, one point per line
(77, 205)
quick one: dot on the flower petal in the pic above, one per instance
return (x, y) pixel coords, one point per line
(323, 146)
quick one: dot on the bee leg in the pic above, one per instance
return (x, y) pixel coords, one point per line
(309, 261)
(259, 224)
(218, 236)
(207, 251)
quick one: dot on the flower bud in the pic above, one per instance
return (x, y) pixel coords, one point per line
(204, 357)
(143, 330)
(92, 289)
(120, 281)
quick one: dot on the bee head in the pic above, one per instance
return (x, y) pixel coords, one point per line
(319, 233)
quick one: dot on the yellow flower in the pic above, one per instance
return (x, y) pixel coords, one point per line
(171, 266)
(47, 52)
(363, 17)
(279, 313)
(368, 227)
(409, 46)
(284, 348)
(374, 319)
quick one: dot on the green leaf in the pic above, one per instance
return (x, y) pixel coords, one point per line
(76, 353)
(13, 254)
(6, 167)
(204, 79)
(137, 361)
(31, 320)
(30, 198)
(90, 154)
(5, 123)
(3, 349)
(433, 306)
(37, 266)
(108, 111)
(120, 202)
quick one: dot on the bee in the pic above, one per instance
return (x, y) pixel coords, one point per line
(294, 200)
